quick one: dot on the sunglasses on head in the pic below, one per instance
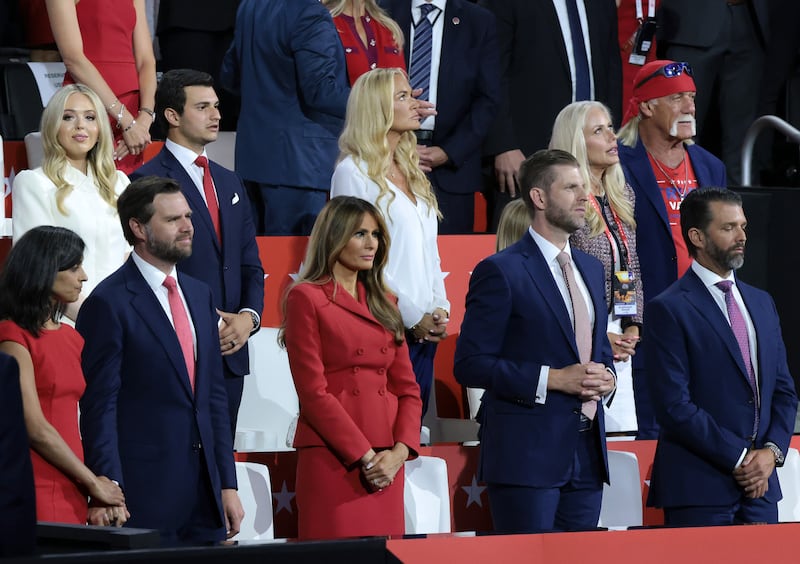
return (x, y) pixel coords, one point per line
(670, 71)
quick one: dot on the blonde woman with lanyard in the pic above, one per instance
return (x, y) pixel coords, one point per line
(379, 163)
(609, 234)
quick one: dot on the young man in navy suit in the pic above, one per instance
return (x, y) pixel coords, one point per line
(537, 344)
(154, 416)
(225, 254)
(719, 380)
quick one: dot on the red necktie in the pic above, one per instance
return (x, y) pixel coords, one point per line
(211, 195)
(181, 322)
(583, 328)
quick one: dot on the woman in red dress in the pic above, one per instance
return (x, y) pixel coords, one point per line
(42, 274)
(360, 406)
(106, 45)
(371, 39)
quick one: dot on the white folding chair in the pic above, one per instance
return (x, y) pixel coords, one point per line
(255, 493)
(622, 500)
(34, 149)
(789, 478)
(269, 400)
(427, 496)
(223, 150)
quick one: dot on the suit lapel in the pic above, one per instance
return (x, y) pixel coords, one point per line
(639, 166)
(341, 298)
(403, 19)
(549, 11)
(699, 296)
(542, 277)
(201, 218)
(149, 309)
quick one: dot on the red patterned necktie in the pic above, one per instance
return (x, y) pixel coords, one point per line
(181, 322)
(211, 195)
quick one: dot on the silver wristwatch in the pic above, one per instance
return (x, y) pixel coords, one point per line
(779, 457)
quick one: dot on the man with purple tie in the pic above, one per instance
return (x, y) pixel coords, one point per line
(718, 377)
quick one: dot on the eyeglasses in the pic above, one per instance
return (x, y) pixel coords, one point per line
(670, 71)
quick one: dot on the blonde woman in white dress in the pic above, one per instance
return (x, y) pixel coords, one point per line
(77, 185)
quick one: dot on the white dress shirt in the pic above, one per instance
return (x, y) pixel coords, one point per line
(186, 158)
(155, 279)
(413, 270)
(550, 252)
(436, 17)
(566, 33)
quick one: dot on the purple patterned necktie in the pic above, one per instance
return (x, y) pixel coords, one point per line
(739, 328)
(582, 325)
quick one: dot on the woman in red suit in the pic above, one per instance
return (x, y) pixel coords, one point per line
(371, 39)
(360, 406)
(42, 274)
(106, 45)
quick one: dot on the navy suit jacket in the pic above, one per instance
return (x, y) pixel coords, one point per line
(232, 269)
(702, 397)
(140, 421)
(515, 323)
(17, 495)
(468, 88)
(654, 244)
(287, 64)
(536, 81)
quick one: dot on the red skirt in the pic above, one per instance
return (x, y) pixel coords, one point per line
(334, 502)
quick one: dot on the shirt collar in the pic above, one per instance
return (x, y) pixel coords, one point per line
(549, 250)
(184, 156)
(438, 3)
(152, 275)
(709, 278)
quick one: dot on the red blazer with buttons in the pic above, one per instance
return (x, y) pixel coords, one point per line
(355, 385)
(355, 52)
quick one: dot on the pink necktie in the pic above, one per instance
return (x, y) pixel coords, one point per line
(211, 195)
(583, 329)
(181, 322)
(739, 328)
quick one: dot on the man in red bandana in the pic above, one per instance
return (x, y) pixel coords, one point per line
(662, 164)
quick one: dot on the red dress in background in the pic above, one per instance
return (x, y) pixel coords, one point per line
(56, 356)
(107, 33)
(381, 51)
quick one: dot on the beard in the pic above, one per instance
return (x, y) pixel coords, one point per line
(561, 218)
(165, 250)
(673, 130)
(726, 258)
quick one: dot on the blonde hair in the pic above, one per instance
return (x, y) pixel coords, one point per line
(370, 113)
(335, 225)
(100, 157)
(514, 222)
(568, 136)
(336, 8)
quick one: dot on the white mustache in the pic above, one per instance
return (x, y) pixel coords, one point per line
(673, 131)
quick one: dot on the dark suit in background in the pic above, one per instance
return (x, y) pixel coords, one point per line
(167, 446)
(17, 494)
(232, 269)
(468, 92)
(195, 34)
(536, 82)
(287, 64)
(724, 42)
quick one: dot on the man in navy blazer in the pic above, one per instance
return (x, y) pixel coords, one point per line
(467, 93)
(720, 384)
(188, 106)
(543, 458)
(154, 416)
(287, 64)
(662, 164)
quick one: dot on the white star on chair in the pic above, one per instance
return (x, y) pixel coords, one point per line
(474, 492)
(284, 499)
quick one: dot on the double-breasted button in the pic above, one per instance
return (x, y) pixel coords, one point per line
(356, 369)
(359, 351)
(356, 392)
(382, 392)
(384, 350)
(381, 371)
